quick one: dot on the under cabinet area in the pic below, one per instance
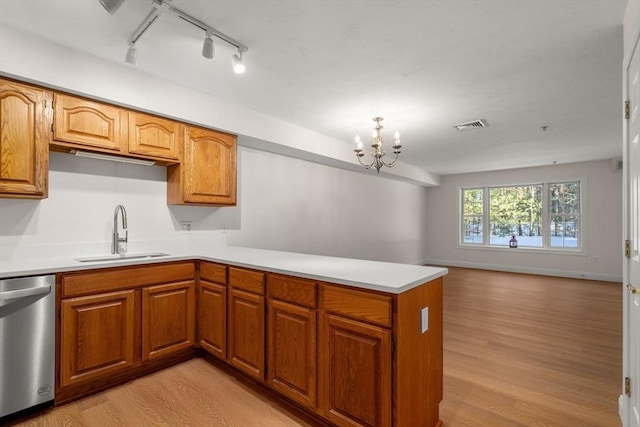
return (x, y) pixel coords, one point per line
(117, 323)
(25, 122)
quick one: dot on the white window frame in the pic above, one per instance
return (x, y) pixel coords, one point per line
(546, 218)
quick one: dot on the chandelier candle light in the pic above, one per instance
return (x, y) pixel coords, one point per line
(378, 150)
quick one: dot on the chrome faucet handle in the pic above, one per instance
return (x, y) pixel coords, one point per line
(122, 242)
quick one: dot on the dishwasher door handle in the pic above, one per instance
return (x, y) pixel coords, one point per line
(21, 293)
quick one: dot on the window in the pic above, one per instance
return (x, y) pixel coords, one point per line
(564, 201)
(473, 215)
(543, 215)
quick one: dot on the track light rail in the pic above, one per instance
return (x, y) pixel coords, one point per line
(160, 6)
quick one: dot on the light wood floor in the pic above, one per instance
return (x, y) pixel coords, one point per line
(519, 350)
(524, 350)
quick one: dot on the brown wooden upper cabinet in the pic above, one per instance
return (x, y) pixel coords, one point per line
(207, 173)
(88, 124)
(25, 120)
(154, 136)
(95, 126)
(201, 162)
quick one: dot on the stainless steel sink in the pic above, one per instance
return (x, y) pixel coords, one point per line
(122, 257)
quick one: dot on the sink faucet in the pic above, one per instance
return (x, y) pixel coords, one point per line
(115, 244)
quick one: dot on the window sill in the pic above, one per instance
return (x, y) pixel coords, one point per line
(529, 250)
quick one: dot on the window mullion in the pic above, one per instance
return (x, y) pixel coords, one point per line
(485, 216)
(546, 211)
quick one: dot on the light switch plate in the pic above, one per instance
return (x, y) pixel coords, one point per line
(425, 319)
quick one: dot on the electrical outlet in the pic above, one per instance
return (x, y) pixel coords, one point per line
(186, 226)
(424, 314)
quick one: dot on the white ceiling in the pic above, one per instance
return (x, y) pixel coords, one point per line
(425, 65)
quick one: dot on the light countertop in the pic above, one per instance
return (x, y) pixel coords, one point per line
(375, 275)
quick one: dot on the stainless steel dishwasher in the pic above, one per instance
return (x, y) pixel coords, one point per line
(27, 344)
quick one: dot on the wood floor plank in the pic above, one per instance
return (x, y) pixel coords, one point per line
(519, 350)
(530, 350)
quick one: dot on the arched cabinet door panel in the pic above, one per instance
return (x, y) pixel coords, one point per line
(25, 123)
(94, 125)
(154, 136)
(207, 172)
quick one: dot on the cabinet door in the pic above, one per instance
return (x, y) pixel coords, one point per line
(292, 351)
(212, 322)
(97, 336)
(25, 123)
(154, 136)
(354, 372)
(246, 332)
(207, 173)
(168, 319)
(83, 123)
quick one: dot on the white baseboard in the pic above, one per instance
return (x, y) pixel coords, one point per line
(527, 270)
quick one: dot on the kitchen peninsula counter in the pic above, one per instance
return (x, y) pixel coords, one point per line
(388, 277)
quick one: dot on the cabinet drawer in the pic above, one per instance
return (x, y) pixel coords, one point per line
(367, 306)
(216, 273)
(292, 289)
(249, 280)
(113, 279)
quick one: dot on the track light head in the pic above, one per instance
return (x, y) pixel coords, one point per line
(132, 55)
(207, 48)
(111, 5)
(236, 61)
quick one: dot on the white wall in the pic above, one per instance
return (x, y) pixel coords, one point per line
(284, 204)
(294, 205)
(602, 226)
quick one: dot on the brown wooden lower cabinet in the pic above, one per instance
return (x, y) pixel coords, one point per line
(168, 319)
(351, 356)
(212, 318)
(97, 336)
(246, 332)
(292, 351)
(147, 316)
(354, 372)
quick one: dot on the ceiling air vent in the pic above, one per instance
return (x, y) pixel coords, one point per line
(481, 123)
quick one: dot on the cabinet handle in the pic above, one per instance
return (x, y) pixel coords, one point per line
(632, 289)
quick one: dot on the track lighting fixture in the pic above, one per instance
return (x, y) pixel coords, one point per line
(132, 54)
(236, 61)
(111, 5)
(208, 50)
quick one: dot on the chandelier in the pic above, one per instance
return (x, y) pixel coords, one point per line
(378, 149)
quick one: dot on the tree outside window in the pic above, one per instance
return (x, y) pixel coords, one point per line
(543, 215)
(515, 211)
(564, 200)
(472, 224)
